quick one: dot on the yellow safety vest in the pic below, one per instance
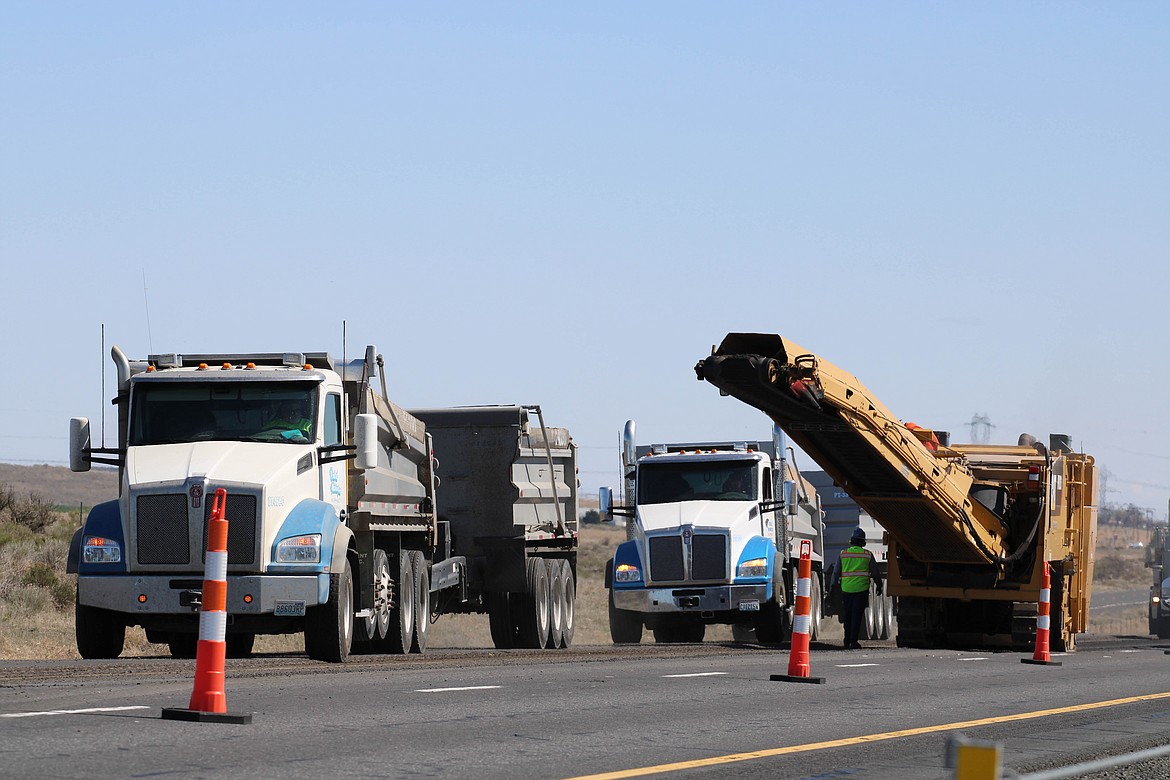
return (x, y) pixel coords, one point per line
(855, 569)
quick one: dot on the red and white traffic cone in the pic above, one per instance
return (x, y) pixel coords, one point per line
(1043, 623)
(208, 699)
(798, 666)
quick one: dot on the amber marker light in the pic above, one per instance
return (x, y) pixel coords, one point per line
(141, 598)
(247, 598)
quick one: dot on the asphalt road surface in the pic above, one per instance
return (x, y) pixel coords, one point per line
(686, 711)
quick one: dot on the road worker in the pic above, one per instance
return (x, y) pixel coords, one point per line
(855, 569)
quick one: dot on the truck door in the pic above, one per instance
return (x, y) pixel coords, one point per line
(334, 487)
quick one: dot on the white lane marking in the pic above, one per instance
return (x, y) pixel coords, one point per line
(464, 688)
(1131, 651)
(72, 712)
(1112, 606)
(974, 658)
(696, 674)
(853, 666)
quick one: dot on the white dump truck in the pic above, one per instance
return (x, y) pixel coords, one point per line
(714, 537)
(337, 522)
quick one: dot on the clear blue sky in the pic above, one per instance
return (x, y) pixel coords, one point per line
(965, 205)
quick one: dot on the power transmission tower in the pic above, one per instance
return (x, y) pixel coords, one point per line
(980, 426)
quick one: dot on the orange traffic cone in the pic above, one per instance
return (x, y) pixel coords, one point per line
(1043, 623)
(798, 666)
(208, 700)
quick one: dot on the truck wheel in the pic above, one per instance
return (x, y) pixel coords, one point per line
(329, 627)
(1163, 627)
(870, 627)
(422, 601)
(240, 645)
(183, 645)
(815, 610)
(743, 634)
(533, 627)
(569, 609)
(500, 620)
(887, 615)
(625, 626)
(772, 626)
(556, 604)
(99, 632)
(377, 625)
(400, 633)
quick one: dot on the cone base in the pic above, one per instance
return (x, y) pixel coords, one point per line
(195, 716)
(795, 678)
(1038, 662)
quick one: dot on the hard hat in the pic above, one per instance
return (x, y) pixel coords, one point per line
(858, 535)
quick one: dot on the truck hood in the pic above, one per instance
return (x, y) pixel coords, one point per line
(233, 462)
(705, 514)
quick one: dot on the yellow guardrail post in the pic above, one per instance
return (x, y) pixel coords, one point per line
(973, 760)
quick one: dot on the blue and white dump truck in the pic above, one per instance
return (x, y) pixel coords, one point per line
(338, 526)
(714, 533)
(842, 516)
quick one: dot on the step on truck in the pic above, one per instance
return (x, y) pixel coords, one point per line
(971, 526)
(714, 532)
(842, 516)
(337, 526)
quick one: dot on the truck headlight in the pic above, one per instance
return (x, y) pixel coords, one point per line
(99, 549)
(299, 549)
(626, 572)
(756, 567)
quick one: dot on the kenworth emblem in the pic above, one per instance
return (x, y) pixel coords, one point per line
(196, 492)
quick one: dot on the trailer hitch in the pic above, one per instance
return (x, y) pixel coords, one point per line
(192, 599)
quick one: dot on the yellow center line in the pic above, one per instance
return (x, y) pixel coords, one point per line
(733, 758)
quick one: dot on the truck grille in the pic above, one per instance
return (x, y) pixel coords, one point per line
(240, 512)
(162, 529)
(666, 558)
(164, 524)
(708, 558)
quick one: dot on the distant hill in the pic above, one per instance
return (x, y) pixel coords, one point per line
(59, 485)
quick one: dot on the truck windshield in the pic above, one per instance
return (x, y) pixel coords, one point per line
(179, 412)
(728, 480)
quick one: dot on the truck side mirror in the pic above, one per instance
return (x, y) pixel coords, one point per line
(79, 444)
(365, 439)
(605, 504)
(791, 498)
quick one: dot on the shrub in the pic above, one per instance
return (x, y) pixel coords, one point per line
(64, 594)
(39, 575)
(34, 514)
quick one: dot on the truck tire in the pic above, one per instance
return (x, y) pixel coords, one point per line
(500, 620)
(556, 604)
(816, 609)
(1162, 629)
(99, 633)
(377, 625)
(422, 601)
(887, 602)
(772, 625)
(240, 645)
(569, 613)
(329, 627)
(533, 615)
(871, 620)
(400, 633)
(625, 626)
(183, 645)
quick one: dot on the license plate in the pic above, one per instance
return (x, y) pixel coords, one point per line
(289, 609)
(749, 606)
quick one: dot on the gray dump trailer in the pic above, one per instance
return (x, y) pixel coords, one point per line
(508, 495)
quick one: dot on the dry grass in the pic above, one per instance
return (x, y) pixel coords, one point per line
(39, 625)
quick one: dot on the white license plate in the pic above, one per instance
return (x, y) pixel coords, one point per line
(749, 606)
(291, 609)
